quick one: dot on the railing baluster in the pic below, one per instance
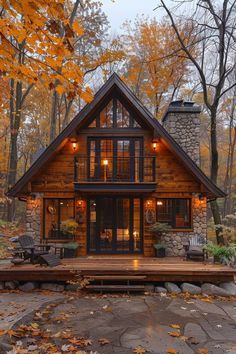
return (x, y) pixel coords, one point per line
(126, 169)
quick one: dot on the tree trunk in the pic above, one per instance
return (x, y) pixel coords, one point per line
(53, 119)
(214, 173)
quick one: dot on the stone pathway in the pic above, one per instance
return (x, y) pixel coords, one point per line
(130, 322)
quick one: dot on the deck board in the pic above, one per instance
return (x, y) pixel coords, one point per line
(172, 269)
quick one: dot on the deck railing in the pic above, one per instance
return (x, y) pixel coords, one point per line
(115, 169)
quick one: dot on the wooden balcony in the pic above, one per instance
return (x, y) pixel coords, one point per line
(123, 174)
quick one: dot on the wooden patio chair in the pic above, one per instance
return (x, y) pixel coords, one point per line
(195, 248)
(30, 250)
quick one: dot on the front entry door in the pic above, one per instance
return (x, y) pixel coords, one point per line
(114, 225)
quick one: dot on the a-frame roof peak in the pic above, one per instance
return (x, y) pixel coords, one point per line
(115, 81)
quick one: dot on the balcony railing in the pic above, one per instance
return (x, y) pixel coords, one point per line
(115, 169)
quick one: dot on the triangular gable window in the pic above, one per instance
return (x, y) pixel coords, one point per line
(114, 115)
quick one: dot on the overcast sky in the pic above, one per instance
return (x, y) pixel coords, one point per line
(120, 10)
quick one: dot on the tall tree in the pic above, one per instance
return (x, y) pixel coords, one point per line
(151, 68)
(214, 34)
(32, 53)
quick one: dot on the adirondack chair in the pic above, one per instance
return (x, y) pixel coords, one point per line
(194, 249)
(30, 250)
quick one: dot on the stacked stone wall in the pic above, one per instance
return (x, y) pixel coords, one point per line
(175, 241)
(33, 219)
(185, 129)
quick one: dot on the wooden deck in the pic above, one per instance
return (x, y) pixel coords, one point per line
(148, 269)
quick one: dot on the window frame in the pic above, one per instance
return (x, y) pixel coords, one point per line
(132, 120)
(58, 216)
(173, 214)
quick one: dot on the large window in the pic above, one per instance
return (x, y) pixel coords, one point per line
(114, 115)
(174, 212)
(57, 211)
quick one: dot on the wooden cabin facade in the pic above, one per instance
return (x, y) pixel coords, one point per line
(116, 170)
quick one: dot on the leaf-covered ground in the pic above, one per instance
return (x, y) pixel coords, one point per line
(81, 324)
(8, 230)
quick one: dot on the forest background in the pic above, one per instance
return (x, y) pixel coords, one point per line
(55, 54)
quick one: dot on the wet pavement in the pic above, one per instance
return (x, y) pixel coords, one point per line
(154, 324)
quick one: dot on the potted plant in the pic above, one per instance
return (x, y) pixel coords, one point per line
(221, 254)
(70, 249)
(68, 228)
(158, 229)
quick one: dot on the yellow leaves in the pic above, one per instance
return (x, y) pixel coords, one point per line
(176, 326)
(172, 351)
(77, 28)
(202, 351)
(174, 334)
(139, 350)
(60, 89)
(103, 341)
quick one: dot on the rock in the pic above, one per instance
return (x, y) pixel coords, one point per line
(72, 287)
(193, 330)
(190, 288)
(11, 285)
(52, 287)
(230, 287)
(172, 288)
(29, 286)
(1, 285)
(211, 289)
(149, 288)
(5, 348)
(160, 289)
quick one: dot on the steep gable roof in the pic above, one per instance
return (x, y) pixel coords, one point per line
(115, 81)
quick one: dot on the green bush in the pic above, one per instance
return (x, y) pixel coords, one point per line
(224, 254)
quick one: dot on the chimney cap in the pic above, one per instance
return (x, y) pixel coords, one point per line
(181, 106)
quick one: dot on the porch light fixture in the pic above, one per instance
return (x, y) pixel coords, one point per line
(159, 202)
(155, 145)
(80, 203)
(74, 145)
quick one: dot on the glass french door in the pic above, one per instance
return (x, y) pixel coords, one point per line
(114, 225)
(115, 159)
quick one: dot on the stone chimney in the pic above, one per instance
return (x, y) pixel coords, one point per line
(182, 121)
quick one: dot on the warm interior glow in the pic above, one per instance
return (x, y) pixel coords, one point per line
(159, 202)
(80, 203)
(105, 162)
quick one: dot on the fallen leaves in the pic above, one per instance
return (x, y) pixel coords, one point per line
(174, 334)
(103, 341)
(172, 351)
(139, 350)
(176, 326)
(202, 351)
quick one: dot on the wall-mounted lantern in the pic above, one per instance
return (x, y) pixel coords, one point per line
(159, 203)
(74, 144)
(155, 144)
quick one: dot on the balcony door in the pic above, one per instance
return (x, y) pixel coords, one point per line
(115, 159)
(114, 225)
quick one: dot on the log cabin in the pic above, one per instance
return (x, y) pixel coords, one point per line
(116, 170)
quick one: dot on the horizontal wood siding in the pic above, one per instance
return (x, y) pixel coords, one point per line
(56, 179)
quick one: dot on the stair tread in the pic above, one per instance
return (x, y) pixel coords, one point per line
(125, 287)
(116, 277)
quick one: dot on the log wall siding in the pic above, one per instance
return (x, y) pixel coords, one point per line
(56, 179)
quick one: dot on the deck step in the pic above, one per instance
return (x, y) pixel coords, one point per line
(115, 287)
(116, 277)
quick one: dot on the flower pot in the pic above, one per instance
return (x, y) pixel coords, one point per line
(217, 260)
(160, 252)
(70, 253)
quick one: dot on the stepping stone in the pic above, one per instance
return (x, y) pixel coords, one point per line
(172, 288)
(190, 288)
(52, 287)
(230, 287)
(160, 290)
(29, 286)
(195, 331)
(11, 285)
(211, 289)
